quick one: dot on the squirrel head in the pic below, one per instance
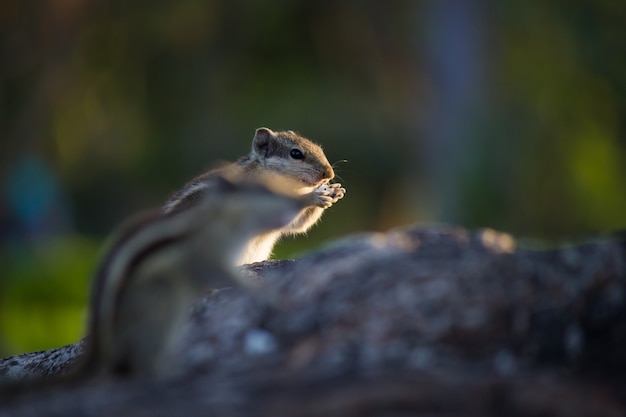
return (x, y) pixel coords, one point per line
(289, 155)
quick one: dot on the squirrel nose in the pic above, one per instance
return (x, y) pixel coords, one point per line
(329, 173)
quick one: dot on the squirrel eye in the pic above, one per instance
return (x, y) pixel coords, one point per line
(296, 154)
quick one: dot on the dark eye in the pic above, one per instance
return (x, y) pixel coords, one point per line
(296, 154)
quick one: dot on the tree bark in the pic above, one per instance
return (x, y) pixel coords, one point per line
(419, 321)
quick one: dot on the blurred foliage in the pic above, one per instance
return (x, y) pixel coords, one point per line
(43, 292)
(510, 115)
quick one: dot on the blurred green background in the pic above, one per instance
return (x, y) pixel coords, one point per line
(507, 114)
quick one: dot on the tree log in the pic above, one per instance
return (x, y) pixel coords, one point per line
(419, 321)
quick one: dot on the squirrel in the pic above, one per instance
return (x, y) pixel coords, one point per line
(157, 266)
(282, 160)
(153, 270)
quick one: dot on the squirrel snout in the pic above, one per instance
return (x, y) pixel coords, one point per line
(329, 173)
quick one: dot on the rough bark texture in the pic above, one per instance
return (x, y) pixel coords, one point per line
(432, 321)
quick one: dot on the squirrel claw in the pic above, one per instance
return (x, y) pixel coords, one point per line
(329, 194)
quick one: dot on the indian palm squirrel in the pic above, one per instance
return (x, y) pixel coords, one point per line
(158, 266)
(282, 160)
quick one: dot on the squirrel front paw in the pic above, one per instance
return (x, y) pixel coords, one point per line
(329, 194)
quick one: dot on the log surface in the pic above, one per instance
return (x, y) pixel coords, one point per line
(417, 321)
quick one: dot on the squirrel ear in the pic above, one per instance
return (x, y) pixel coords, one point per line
(262, 142)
